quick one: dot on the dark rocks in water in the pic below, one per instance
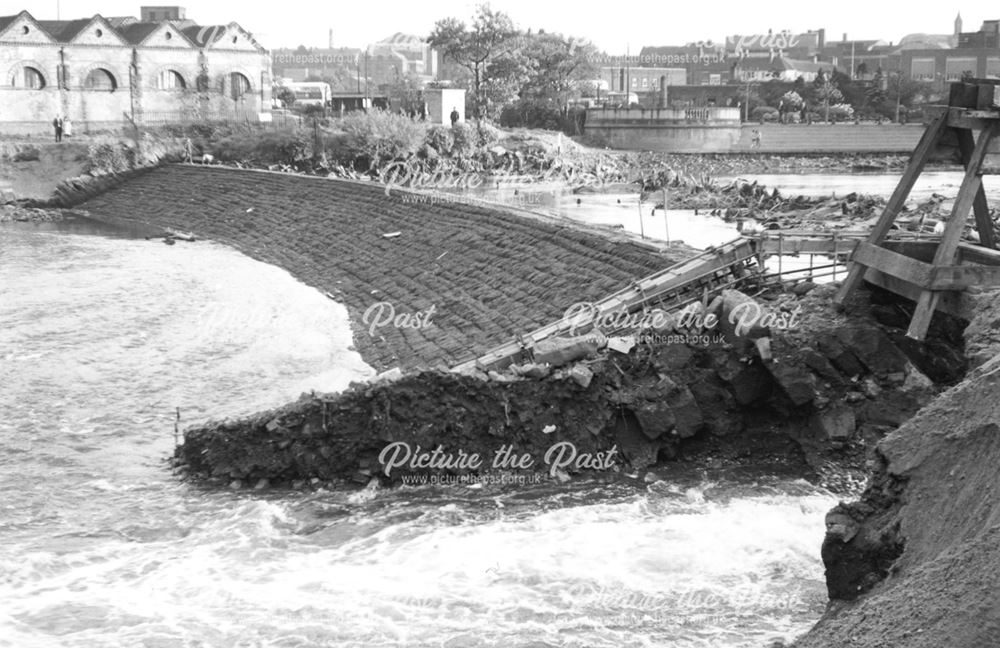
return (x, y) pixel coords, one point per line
(856, 559)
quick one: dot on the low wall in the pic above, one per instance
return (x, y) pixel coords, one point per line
(672, 138)
(45, 127)
(775, 138)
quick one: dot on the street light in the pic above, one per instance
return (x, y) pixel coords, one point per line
(746, 104)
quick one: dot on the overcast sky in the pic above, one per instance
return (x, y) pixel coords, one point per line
(611, 26)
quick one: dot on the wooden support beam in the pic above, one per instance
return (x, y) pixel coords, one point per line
(899, 196)
(981, 209)
(960, 277)
(945, 254)
(971, 119)
(911, 270)
(949, 302)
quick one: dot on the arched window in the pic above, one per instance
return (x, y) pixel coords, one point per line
(29, 78)
(239, 85)
(101, 80)
(170, 80)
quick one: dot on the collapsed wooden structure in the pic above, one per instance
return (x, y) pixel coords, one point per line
(931, 271)
(972, 106)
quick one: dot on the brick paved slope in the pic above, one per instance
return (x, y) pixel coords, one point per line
(489, 273)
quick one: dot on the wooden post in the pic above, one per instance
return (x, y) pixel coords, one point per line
(972, 184)
(781, 252)
(916, 164)
(642, 229)
(666, 222)
(836, 256)
(981, 209)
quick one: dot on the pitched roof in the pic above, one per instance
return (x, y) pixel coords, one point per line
(121, 21)
(399, 38)
(128, 28)
(202, 35)
(137, 32)
(6, 20)
(64, 31)
(928, 41)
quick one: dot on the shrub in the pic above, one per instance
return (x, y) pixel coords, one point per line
(792, 100)
(106, 157)
(441, 139)
(488, 134)
(530, 113)
(380, 136)
(267, 147)
(464, 136)
(841, 112)
(764, 113)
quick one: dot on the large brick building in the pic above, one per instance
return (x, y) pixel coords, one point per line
(102, 72)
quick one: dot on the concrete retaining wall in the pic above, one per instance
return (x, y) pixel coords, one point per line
(775, 138)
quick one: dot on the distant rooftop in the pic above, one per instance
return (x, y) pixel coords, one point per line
(129, 28)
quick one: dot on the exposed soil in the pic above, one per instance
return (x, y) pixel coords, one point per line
(34, 170)
(933, 501)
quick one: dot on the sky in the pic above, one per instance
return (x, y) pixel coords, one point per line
(613, 28)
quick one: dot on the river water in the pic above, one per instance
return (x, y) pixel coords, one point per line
(102, 337)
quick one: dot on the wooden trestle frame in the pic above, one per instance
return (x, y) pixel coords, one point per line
(973, 105)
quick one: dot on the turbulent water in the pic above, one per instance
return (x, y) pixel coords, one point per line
(102, 338)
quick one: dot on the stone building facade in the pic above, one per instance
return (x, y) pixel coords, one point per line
(105, 72)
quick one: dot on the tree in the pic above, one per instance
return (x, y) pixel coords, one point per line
(285, 96)
(902, 92)
(504, 81)
(826, 92)
(562, 66)
(407, 91)
(491, 36)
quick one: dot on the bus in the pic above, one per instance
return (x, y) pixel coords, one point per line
(310, 93)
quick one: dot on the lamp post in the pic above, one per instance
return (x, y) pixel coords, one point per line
(899, 78)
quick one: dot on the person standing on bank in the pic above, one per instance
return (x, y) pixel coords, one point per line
(57, 124)
(68, 127)
(454, 116)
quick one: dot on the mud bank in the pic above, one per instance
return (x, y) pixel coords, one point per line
(915, 562)
(687, 392)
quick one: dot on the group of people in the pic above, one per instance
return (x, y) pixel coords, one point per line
(63, 127)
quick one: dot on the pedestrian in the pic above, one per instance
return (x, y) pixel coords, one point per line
(57, 124)
(759, 137)
(454, 116)
(68, 127)
(754, 139)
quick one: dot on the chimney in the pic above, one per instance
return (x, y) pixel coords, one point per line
(845, 37)
(330, 44)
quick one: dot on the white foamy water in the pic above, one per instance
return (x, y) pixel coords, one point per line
(100, 545)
